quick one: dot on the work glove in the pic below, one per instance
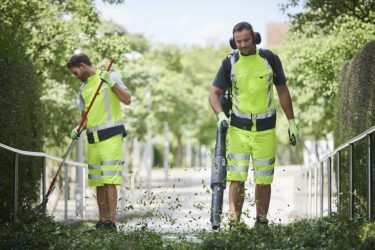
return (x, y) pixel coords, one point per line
(221, 117)
(293, 132)
(106, 76)
(74, 134)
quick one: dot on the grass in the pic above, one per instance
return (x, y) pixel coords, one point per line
(34, 231)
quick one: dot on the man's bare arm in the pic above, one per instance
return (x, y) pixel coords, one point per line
(285, 100)
(122, 94)
(214, 99)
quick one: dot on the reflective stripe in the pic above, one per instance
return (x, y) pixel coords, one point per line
(255, 116)
(264, 162)
(269, 79)
(105, 126)
(107, 106)
(234, 80)
(263, 173)
(94, 166)
(111, 173)
(117, 162)
(238, 157)
(238, 168)
(80, 101)
(232, 72)
(95, 177)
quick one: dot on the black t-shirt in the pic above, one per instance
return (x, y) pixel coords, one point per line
(223, 81)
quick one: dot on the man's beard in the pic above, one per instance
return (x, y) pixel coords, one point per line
(248, 51)
(84, 77)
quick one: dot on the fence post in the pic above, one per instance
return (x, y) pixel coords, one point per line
(338, 179)
(79, 186)
(316, 189)
(321, 188)
(303, 202)
(66, 190)
(369, 178)
(351, 180)
(306, 192)
(15, 188)
(166, 151)
(329, 184)
(310, 194)
(44, 186)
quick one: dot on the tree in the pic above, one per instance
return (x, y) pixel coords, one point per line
(201, 65)
(37, 39)
(323, 13)
(323, 54)
(170, 84)
(313, 61)
(21, 124)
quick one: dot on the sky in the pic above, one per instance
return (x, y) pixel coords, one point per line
(191, 22)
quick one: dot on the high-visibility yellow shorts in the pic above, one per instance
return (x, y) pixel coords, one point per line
(260, 146)
(105, 162)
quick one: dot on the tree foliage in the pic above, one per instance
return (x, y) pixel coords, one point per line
(329, 55)
(313, 61)
(38, 37)
(21, 124)
(323, 13)
(170, 84)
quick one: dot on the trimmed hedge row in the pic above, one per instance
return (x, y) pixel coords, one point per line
(21, 124)
(355, 114)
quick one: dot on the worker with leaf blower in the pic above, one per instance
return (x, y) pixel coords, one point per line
(249, 74)
(105, 131)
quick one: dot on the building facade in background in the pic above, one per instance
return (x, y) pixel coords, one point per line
(276, 33)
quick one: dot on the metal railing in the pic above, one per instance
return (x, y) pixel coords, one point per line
(45, 156)
(319, 185)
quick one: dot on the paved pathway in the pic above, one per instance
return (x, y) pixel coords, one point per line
(182, 203)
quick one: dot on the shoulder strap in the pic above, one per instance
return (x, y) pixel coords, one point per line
(269, 56)
(229, 62)
(227, 65)
(226, 98)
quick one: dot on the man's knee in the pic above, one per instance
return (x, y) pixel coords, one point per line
(237, 183)
(263, 188)
(263, 185)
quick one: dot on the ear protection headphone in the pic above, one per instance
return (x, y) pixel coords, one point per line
(244, 25)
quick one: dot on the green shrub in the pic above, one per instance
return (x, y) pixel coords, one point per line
(355, 114)
(21, 125)
(34, 231)
(367, 235)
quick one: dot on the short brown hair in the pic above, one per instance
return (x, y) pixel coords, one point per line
(241, 26)
(77, 59)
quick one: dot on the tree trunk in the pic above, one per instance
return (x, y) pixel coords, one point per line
(179, 151)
